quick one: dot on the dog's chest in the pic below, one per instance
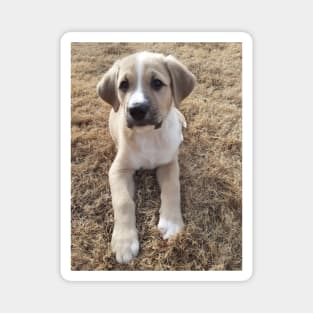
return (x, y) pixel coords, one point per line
(157, 147)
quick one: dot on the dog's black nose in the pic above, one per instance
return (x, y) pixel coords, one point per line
(138, 111)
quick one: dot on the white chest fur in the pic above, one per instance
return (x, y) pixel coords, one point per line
(155, 147)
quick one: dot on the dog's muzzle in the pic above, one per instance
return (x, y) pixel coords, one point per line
(140, 114)
(138, 111)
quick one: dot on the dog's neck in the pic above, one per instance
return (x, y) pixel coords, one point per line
(152, 147)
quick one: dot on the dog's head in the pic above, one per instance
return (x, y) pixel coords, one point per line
(145, 86)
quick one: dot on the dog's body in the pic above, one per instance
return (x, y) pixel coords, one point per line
(146, 127)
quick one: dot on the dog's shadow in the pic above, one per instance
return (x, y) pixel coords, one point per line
(147, 199)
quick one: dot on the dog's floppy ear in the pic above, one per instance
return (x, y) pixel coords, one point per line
(183, 81)
(106, 88)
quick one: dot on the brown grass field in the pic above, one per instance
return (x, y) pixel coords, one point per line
(210, 164)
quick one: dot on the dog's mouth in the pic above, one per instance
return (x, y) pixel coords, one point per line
(151, 118)
(142, 123)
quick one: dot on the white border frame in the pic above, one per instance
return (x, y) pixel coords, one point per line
(65, 159)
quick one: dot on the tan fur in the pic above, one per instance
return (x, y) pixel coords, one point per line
(145, 146)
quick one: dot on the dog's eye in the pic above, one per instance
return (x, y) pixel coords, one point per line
(124, 85)
(156, 84)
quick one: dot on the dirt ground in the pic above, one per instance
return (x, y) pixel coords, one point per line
(210, 164)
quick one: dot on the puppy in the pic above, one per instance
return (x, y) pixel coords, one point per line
(145, 90)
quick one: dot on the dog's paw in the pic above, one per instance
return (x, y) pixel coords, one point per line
(169, 228)
(125, 245)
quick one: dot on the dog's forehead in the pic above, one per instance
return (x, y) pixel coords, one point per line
(142, 61)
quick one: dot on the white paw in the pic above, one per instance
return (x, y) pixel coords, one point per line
(125, 245)
(168, 228)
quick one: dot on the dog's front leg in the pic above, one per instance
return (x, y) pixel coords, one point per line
(124, 242)
(171, 221)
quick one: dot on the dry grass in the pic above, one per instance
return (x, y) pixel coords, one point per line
(210, 162)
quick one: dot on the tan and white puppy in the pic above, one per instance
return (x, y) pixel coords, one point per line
(144, 90)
